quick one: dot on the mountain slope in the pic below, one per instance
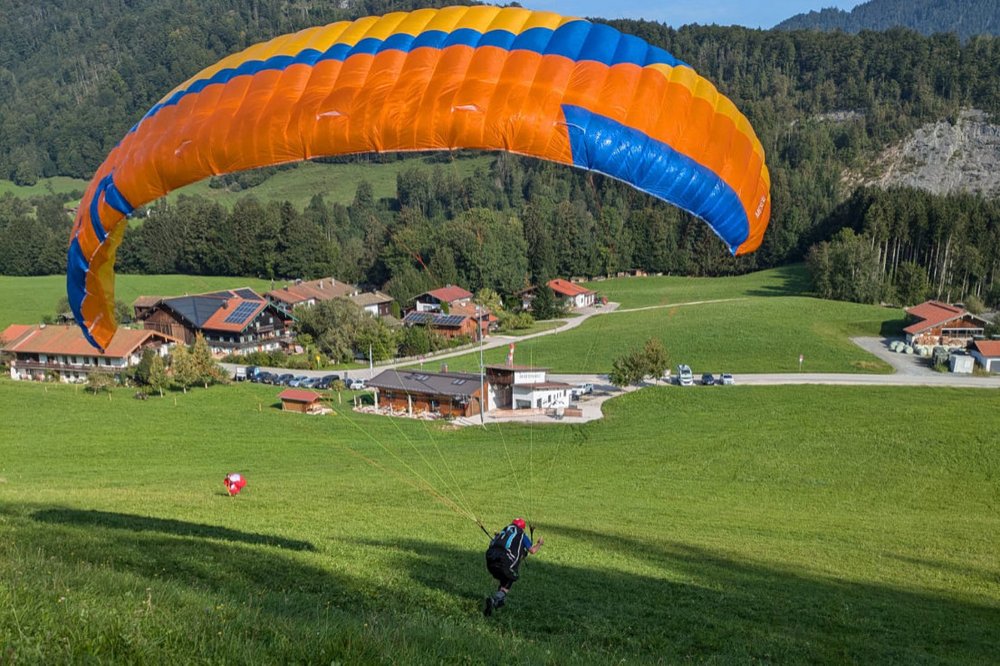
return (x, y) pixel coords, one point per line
(942, 158)
(963, 17)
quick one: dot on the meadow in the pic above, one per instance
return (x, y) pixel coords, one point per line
(336, 182)
(775, 524)
(25, 300)
(755, 323)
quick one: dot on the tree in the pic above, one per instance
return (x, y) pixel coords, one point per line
(490, 300)
(627, 369)
(185, 371)
(100, 382)
(656, 358)
(912, 285)
(158, 378)
(206, 370)
(140, 373)
(545, 305)
(415, 340)
(635, 365)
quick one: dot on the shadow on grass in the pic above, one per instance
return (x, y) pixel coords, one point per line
(622, 599)
(791, 281)
(133, 523)
(698, 604)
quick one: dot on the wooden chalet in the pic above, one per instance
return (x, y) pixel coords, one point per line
(307, 294)
(374, 303)
(434, 301)
(415, 392)
(300, 400)
(39, 352)
(446, 325)
(233, 322)
(937, 323)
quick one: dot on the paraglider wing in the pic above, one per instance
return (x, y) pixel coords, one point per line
(533, 83)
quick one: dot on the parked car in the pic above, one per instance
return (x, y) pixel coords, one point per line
(310, 382)
(326, 381)
(726, 379)
(581, 389)
(707, 379)
(283, 380)
(263, 377)
(684, 375)
(355, 384)
(297, 380)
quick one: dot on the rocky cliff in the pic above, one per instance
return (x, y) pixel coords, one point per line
(942, 158)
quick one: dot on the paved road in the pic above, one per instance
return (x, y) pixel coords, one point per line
(910, 370)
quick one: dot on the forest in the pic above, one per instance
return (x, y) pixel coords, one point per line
(962, 17)
(520, 221)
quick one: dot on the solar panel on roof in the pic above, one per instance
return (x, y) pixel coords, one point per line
(248, 294)
(449, 320)
(242, 312)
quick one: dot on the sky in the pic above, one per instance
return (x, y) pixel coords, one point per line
(749, 13)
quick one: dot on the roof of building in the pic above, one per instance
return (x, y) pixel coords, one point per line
(13, 332)
(323, 289)
(146, 301)
(371, 298)
(989, 348)
(458, 384)
(69, 340)
(218, 311)
(935, 313)
(472, 310)
(567, 288)
(543, 386)
(516, 368)
(448, 294)
(299, 395)
(435, 319)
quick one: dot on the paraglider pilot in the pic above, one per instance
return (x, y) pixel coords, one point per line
(503, 558)
(234, 483)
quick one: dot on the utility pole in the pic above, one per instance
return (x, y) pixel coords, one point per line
(483, 399)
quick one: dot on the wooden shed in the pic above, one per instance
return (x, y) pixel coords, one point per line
(297, 400)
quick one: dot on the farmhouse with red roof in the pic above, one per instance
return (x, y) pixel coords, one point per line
(53, 350)
(434, 301)
(239, 321)
(938, 323)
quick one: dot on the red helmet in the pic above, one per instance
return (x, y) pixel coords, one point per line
(519, 522)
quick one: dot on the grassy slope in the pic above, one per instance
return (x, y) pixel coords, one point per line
(57, 185)
(337, 182)
(25, 300)
(761, 325)
(782, 524)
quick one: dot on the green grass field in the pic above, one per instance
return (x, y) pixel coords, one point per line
(665, 290)
(336, 182)
(745, 334)
(57, 185)
(25, 300)
(779, 524)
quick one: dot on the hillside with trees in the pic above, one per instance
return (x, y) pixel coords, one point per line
(965, 18)
(823, 104)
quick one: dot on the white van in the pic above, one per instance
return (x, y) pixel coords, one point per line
(684, 375)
